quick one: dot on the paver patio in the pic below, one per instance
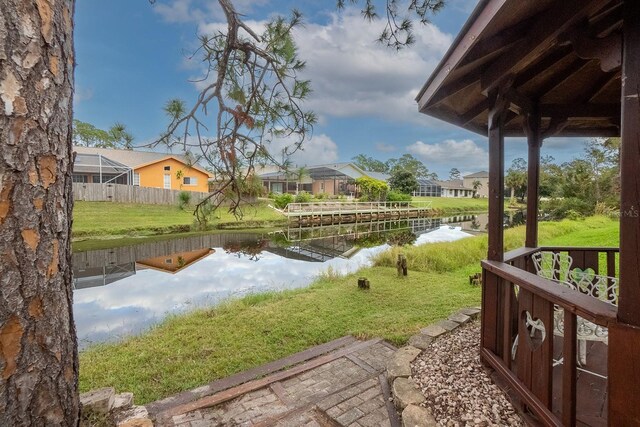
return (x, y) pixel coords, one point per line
(341, 383)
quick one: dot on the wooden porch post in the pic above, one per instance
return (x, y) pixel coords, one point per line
(624, 337)
(496, 179)
(491, 283)
(534, 140)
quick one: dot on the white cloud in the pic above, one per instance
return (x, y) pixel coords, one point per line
(179, 11)
(316, 150)
(464, 154)
(353, 75)
(199, 11)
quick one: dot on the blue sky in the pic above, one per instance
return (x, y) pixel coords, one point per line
(133, 56)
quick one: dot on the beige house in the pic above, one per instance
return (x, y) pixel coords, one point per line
(483, 178)
(455, 188)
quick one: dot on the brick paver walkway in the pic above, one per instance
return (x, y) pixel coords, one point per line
(339, 384)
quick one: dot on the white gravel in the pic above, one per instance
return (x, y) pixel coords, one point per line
(458, 390)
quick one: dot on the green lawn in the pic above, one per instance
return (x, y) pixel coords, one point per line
(456, 205)
(190, 350)
(100, 219)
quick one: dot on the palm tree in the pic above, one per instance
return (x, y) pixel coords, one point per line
(476, 184)
(300, 175)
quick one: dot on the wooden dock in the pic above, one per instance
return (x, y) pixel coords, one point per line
(304, 215)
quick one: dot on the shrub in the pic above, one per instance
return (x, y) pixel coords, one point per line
(321, 196)
(282, 200)
(184, 198)
(396, 196)
(303, 197)
(562, 208)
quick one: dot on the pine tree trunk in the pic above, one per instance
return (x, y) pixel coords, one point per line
(38, 346)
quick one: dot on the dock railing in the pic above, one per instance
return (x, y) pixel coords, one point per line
(338, 208)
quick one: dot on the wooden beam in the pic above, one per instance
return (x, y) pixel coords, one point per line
(629, 302)
(496, 177)
(545, 63)
(452, 88)
(524, 104)
(465, 41)
(607, 50)
(607, 22)
(474, 111)
(556, 126)
(587, 111)
(624, 374)
(560, 77)
(558, 19)
(496, 43)
(534, 140)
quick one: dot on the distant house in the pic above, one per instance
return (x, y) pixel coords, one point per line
(142, 168)
(455, 188)
(332, 179)
(428, 188)
(483, 178)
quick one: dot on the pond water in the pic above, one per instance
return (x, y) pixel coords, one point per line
(123, 291)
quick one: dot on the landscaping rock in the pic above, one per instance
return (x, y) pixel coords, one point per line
(137, 422)
(417, 416)
(457, 388)
(99, 401)
(471, 312)
(122, 401)
(134, 417)
(421, 341)
(406, 392)
(459, 318)
(400, 363)
(449, 325)
(433, 331)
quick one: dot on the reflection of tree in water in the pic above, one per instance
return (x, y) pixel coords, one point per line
(401, 238)
(513, 219)
(249, 249)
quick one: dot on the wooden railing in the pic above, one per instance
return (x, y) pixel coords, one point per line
(511, 292)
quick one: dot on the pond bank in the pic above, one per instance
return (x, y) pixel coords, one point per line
(188, 350)
(106, 220)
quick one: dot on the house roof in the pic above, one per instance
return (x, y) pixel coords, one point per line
(454, 184)
(560, 58)
(327, 171)
(136, 159)
(481, 174)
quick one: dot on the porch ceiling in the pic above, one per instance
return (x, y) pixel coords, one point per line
(561, 57)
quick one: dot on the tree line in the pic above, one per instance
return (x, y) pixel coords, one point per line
(581, 185)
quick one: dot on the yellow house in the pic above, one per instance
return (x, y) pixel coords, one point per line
(171, 173)
(143, 168)
(174, 263)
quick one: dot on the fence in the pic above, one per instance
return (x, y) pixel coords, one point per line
(130, 194)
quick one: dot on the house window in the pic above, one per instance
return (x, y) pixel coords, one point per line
(167, 168)
(189, 180)
(80, 178)
(136, 179)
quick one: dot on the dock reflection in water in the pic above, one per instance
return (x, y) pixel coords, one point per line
(122, 291)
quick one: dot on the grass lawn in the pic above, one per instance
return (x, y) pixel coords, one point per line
(455, 205)
(100, 219)
(190, 350)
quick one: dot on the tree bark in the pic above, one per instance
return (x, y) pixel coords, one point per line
(38, 345)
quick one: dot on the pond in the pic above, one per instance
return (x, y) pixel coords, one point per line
(125, 290)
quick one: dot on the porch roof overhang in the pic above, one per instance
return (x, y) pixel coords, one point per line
(560, 59)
